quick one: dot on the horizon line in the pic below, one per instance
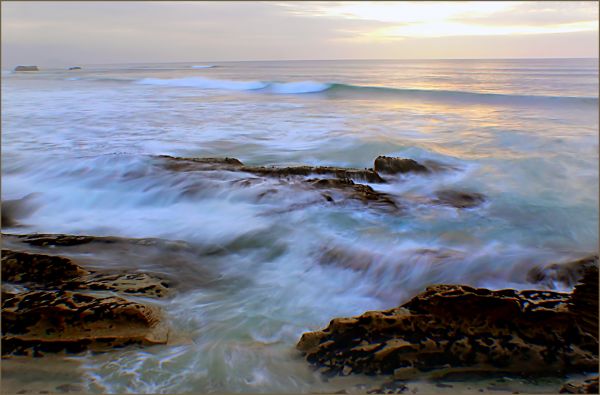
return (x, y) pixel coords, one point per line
(317, 60)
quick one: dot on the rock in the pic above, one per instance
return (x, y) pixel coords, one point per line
(48, 272)
(197, 164)
(13, 210)
(451, 329)
(22, 267)
(459, 199)
(584, 303)
(75, 68)
(36, 322)
(389, 165)
(566, 273)
(27, 68)
(391, 387)
(361, 192)
(589, 386)
(58, 240)
(70, 388)
(232, 164)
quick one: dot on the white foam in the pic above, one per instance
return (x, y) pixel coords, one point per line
(202, 66)
(208, 83)
(205, 83)
(299, 87)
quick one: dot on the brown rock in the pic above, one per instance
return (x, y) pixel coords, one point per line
(589, 386)
(452, 329)
(40, 271)
(584, 304)
(232, 164)
(459, 199)
(361, 192)
(22, 267)
(39, 321)
(389, 165)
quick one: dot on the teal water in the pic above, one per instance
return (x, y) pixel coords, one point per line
(522, 132)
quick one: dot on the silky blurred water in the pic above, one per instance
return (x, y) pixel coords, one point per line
(522, 132)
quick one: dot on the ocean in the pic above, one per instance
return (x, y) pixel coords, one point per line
(81, 145)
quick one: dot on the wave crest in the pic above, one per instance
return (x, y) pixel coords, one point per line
(205, 83)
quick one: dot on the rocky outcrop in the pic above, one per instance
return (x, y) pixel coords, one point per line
(389, 165)
(589, 386)
(451, 329)
(75, 68)
(27, 68)
(36, 322)
(52, 304)
(360, 192)
(458, 199)
(584, 302)
(564, 273)
(49, 272)
(232, 164)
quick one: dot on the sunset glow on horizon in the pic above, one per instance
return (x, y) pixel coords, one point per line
(67, 32)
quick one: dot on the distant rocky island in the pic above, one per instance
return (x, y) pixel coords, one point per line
(75, 68)
(27, 68)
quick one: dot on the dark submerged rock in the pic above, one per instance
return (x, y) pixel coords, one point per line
(16, 209)
(459, 199)
(566, 273)
(390, 165)
(452, 329)
(27, 68)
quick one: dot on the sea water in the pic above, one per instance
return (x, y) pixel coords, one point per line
(80, 143)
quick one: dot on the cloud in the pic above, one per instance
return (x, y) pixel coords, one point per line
(65, 33)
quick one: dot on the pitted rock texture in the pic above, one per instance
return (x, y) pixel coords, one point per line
(22, 267)
(51, 321)
(584, 303)
(232, 164)
(451, 329)
(390, 165)
(49, 272)
(589, 386)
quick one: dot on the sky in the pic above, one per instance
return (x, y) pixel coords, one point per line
(69, 33)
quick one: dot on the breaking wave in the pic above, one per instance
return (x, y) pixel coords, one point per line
(349, 90)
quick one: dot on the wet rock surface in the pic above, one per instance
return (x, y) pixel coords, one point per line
(40, 271)
(450, 329)
(232, 164)
(15, 210)
(360, 192)
(565, 273)
(390, 165)
(459, 199)
(50, 303)
(37, 322)
(337, 180)
(589, 386)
